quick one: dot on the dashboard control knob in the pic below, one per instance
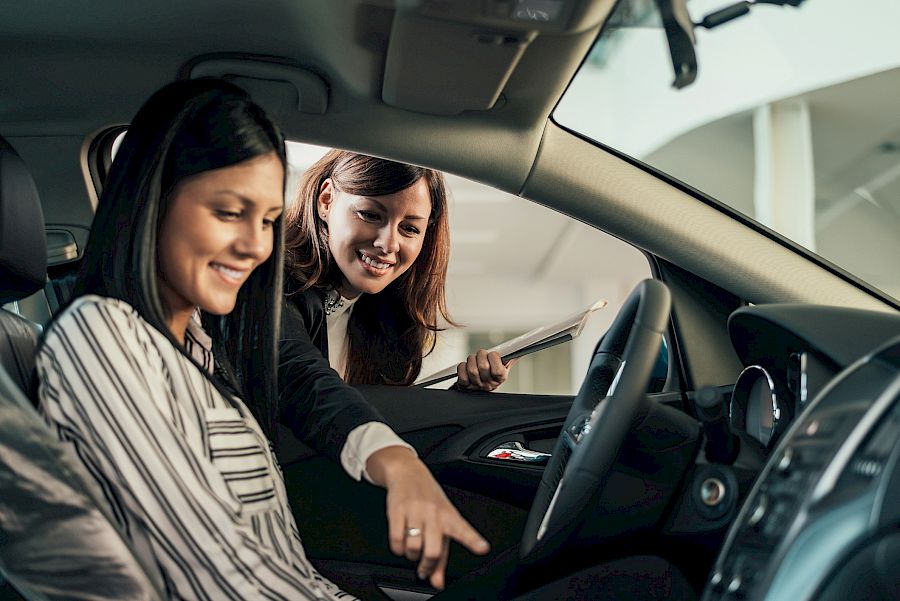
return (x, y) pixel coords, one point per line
(784, 464)
(812, 428)
(580, 429)
(868, 468)
(717, 582)
(759, 511)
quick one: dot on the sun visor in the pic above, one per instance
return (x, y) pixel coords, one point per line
(445, 57)
(431, 65)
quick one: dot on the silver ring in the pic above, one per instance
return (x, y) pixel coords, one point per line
(410, 532)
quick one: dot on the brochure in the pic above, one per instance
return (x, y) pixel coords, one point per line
(529, 342)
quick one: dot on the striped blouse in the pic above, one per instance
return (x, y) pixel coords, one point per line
(187, 473)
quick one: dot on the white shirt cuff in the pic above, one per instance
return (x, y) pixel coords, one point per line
(362, 442)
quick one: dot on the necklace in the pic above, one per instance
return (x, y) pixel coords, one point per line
(333, 301)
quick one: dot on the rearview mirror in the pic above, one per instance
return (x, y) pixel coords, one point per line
(679, 28)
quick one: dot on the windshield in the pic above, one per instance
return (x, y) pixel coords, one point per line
(793, 119)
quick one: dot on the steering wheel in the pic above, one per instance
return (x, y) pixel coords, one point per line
(612, 395)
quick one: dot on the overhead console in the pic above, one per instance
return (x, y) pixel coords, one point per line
(436, 45)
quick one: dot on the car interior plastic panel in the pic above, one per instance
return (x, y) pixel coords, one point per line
(280, 88)
(700, 310)
(849, 335)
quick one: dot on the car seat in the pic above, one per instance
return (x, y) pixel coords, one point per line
(23, 265)
(56, 542)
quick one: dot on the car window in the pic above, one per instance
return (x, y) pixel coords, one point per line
(792, 120)
(515, 266)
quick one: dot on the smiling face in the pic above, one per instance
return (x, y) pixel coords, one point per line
(374, 239)
(218, 228)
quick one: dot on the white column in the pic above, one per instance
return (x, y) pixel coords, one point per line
(784, 177)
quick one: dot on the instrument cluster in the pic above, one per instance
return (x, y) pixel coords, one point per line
(766, 398)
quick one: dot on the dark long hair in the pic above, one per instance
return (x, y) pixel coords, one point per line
(389, 332)
(184, 129)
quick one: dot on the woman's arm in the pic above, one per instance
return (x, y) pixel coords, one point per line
(108, 391)
(421, 520)
(320, 408)
(316, 404)
(339, 416)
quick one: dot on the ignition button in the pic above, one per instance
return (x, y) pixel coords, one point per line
(712, 492)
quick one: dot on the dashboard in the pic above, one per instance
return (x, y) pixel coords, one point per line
(820, 393)
(765, 400)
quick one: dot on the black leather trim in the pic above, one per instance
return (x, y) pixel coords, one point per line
(23, 246)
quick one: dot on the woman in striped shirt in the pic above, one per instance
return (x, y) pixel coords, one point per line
(161, 373)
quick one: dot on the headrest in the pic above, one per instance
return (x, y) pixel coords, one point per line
(23, 246)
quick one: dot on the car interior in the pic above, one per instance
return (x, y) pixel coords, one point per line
(766, 465)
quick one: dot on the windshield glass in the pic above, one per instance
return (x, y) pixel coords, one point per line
(793, 119)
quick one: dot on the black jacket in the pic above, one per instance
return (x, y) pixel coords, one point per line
(315, 403)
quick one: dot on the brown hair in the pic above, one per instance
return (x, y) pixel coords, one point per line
(391, 331)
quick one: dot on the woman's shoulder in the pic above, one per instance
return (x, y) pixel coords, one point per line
(309, 301)
(294, 288)
(92, 311)
(304, 316)
(100, 332)
(91, 305)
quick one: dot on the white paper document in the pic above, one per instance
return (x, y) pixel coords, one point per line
(529, 342)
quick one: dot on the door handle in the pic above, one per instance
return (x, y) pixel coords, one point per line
(517, 452)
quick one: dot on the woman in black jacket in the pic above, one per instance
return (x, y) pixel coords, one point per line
(367, 245)
(366, 253)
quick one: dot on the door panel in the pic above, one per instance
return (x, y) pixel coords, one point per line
(342, 522)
